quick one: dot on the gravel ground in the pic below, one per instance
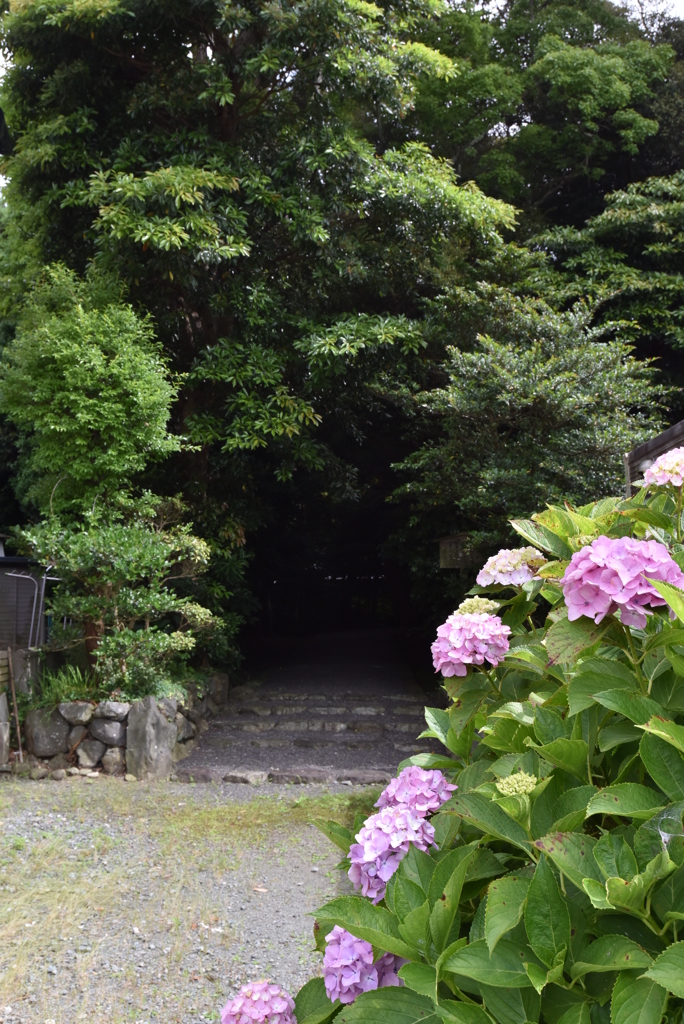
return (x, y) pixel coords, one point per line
(151, 902)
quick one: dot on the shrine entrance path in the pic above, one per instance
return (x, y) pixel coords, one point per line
(335, 706)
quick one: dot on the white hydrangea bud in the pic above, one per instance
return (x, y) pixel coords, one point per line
(516, 785)
(477, 606)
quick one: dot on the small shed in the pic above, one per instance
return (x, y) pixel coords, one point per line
(644, 455)
(454, 553)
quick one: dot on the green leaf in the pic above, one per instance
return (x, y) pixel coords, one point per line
(651, 517)
(636, 1000)
(540, 537)
(407, 896)
(438, 721)
(664, 764)
(668, 970)
(374, 924)
(668, 898)
(503, 968)
(610, 953)
(577, 1014)
(612, 736)
(573, 854)
(673, 595)
(415, 927)
(421, 978)
(566, 640)
(489, 818)
(462, 1013)
(666, 638)
(537, 975)
(467, 700)
(418, 867)
(428, 761)
(665, 730)
(511, 1005)
(634, 706)
(547, 920)
(629, 895)
(628, 799)
(582, 687)
(313, 1005)
(389, 1006)
(505, 905)
(596, 891)
(336, 833)
(614, 857)
(571, 755)
(444, 896)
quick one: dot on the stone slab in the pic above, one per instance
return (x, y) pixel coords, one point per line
(46, 732)
(301, 776)
(149, 742)
(198, 775)
(4, 742)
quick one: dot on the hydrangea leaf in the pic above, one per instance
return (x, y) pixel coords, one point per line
(485, 815)
(336, 833)
(374, 924)
(615, 735)
(511, 1006)
(421, 978)
(595, 676)
(665, 730)
(614, 857)
(570, 755)
(505, 905)
(389, 1006)
(577, 1014)
(502, 969)
(444, 893)
(566, 640)
(628, 799)
(636, 1000)
(669, 896)
(668, 970)
(628, 895)
(415, 927)
(541, 537)
(313, 1005)
(547, 920)
(611, 953)
(596, 891)
(462, 1013)
(573, 854)
(634, 706)
(672, 595)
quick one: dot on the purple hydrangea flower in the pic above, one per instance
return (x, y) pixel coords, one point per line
(468, 640)
(382, 843)
(259, 1002)
(667, 469)
(348, 968)
(511, 566)
(612, 573)
(423, 791)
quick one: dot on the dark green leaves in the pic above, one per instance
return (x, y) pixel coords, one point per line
(389, 1006)
(627, 799)
(547, 920)
(611, 953)
(665, 764)
(489, 818)
(636, 1000)
(374, 924)
(312, 1005)
(566, 640)
(505, 905)
(668, 970)
(504, 968)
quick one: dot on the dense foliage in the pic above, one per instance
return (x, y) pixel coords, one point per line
(550, 884)
(280, 195)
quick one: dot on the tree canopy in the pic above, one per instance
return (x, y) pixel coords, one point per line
(280, 196)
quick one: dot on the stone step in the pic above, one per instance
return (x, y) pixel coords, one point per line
(261, 725)
(349, 741)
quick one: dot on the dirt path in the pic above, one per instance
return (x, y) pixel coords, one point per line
(155, 902)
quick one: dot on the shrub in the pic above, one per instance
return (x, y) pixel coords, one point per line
(554, 888)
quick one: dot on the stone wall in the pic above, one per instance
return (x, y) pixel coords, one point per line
(144, 739)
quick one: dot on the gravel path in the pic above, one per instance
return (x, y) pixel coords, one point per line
(155, 902)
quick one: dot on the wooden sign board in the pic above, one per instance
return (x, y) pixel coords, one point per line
(452, 552)
(639, 459)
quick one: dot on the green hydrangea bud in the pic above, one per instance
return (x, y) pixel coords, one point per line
(517, 785)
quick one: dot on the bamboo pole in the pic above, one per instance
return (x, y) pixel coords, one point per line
(14, 701)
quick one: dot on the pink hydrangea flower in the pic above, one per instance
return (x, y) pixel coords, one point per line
(348, 968)
(382, 843)
(511, 566)
(667, 469)
(611, 574)
(259, 1002)
(423, 791)
(468, 640)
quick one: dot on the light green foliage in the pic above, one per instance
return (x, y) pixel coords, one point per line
(86, 382)
(572, 903)
(119, 575)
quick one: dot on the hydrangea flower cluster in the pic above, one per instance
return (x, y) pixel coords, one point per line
(477, 606)
(382, 843)
(667, 469)
(348, 968)
(468, 640)
(259, 1002)
(420, 790)
(612, 573)
(518, 784)
(511, 565)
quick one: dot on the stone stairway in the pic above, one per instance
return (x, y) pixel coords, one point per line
(340, 718)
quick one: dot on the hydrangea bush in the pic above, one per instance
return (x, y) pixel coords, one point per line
(534, 872)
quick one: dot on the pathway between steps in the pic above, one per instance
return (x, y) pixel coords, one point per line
(340, 706)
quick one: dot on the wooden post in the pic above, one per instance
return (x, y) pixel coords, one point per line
(14, 701)
(639, 459)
